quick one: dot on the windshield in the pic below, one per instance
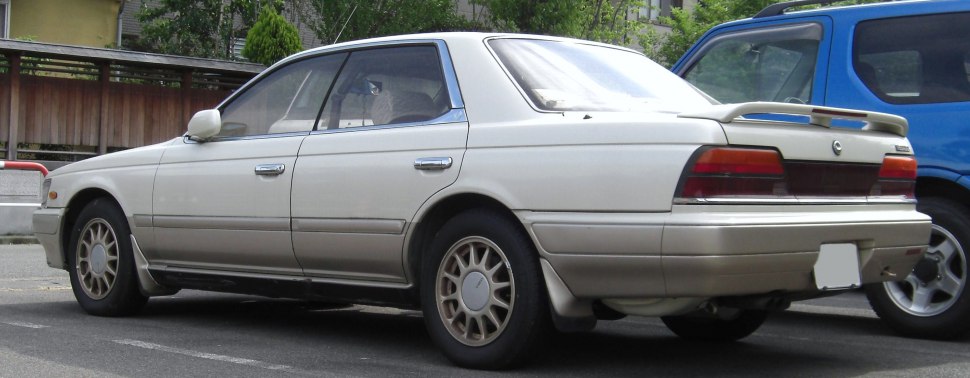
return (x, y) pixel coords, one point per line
(569, 76)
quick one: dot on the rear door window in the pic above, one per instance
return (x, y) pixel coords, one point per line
(767, 64)
(389, 85)
(915, 60)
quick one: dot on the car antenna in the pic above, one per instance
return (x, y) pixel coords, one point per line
(345, 23)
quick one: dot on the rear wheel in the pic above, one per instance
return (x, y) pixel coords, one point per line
(101, 264)
(481, 291)
(732, 326)
(931, 302)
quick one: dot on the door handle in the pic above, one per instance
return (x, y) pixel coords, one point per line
(432, 163)
(270, 169)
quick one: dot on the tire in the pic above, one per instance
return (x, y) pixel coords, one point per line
(492, 327)
(100, 262)
(932, 302)
(710, 328)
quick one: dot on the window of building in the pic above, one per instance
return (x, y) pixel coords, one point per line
(653, 9)
(4, 18)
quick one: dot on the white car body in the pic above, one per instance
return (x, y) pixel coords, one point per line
(350, 216)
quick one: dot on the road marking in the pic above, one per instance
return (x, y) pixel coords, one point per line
(26, 325)
(47, 278)
(208, 356)
(40, 288)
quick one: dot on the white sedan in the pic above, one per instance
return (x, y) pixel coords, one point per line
(503, 184)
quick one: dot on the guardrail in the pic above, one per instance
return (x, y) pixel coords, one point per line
(24, 166)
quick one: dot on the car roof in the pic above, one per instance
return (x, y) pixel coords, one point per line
(447, 37)
(866, 11)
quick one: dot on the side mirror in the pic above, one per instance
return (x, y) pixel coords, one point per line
(204, 125)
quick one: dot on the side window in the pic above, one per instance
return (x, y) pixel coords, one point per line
(373, 91)
(916, 59)
(768, 64)
(286, 100)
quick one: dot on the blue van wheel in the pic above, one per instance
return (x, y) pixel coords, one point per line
(933, 301)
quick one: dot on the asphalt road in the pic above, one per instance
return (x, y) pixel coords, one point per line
(43, 333)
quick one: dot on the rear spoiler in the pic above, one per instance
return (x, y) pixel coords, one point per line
(819, 115)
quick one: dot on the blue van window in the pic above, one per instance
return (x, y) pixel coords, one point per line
(768, 64)
(916, 59)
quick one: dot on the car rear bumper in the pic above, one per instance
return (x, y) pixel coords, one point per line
(714, 251)
(47, 228)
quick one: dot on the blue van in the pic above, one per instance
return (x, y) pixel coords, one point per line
(910, 58)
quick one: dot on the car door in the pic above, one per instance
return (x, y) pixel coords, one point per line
(225, 204)
(389, 137)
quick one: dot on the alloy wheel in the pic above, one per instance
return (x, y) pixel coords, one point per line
(97, 259)
(475, 291)
(937, 281)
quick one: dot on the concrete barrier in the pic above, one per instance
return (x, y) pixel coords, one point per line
(19, 197)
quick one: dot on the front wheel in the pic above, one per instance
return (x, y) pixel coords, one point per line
(100, 262)
(482, 295)
(932, 302)
(732, 326)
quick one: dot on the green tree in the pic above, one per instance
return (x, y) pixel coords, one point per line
(615, 22)
(553, 17)
(201, 28)
(345, 20)
(272, 38)
(599, 20)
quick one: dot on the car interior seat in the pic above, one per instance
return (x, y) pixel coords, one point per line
(393, 106)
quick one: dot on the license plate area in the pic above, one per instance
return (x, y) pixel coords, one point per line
(837, 267)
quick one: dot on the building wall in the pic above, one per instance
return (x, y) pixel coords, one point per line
(90, 23)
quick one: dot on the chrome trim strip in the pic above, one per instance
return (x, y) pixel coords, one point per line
(790, 201)
(222, 223)
(349, 226)
(452, 116)
(451, 78)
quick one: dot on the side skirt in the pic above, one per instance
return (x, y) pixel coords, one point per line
(381, 294)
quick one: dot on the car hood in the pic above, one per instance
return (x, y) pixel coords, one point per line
(151, 154)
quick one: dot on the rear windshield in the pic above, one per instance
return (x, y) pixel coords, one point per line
(568, 76)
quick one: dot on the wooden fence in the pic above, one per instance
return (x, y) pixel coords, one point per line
(65, 103)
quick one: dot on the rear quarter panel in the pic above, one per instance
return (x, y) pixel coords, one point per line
(609, 163)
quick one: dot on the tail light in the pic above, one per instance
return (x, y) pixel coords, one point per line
(734, 172)
(897, 178)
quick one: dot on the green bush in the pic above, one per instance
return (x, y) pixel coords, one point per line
(272, 38)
